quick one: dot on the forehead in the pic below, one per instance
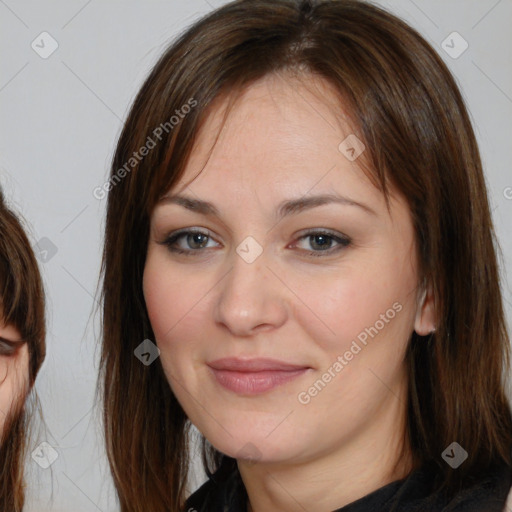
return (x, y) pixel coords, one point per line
(284, 113)
(280, 131)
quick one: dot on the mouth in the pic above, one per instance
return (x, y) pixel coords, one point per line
(254, 376)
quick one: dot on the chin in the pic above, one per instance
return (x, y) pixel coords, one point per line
(257, 448)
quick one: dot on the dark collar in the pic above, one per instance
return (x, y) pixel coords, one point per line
(225, 492)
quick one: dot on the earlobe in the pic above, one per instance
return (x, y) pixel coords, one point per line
(425, 321)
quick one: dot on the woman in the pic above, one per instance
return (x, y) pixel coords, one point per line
(22, 351)
(300, 261)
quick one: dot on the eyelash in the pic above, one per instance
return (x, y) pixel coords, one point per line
(174, 237)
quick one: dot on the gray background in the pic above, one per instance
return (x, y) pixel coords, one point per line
(60, 119)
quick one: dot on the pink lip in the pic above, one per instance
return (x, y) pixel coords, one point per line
(254, 376)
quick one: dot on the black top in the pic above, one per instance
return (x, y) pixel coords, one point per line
(225, 492)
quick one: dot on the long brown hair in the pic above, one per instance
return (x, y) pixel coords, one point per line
(22, 306)
(405, 106)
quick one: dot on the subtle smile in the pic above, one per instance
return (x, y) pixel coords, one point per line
(254, 376)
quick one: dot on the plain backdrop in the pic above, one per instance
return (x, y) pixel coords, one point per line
(61, 115)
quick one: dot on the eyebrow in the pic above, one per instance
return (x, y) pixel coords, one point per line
(288, 207)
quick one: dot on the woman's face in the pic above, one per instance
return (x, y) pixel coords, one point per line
(13, 369)
(282, 327)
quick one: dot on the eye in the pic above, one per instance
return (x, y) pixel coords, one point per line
(8, 347)
(323, 240)
(320, 241)
(194, 239)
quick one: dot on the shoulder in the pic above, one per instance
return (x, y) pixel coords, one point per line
(485, 492)
(417, 493)
(489, 493)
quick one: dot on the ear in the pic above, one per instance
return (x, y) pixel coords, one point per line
(425, 321)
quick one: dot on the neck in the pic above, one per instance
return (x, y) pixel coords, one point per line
(332, 480)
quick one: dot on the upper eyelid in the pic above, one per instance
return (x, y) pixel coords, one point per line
(186, 231)
(12, 343)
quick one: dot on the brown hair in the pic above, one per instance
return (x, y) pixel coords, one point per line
(22, 306)
(407, 109)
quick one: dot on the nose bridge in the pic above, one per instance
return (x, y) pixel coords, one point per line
(250, 295)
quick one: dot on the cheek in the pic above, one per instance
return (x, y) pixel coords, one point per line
(362, 301)
(13, 381)
(176, 305)
(156, 296)
(165, 293)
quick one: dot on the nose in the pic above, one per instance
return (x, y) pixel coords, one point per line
(251, 298)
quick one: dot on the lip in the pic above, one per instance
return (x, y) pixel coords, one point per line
(259, 364)
(254, 376)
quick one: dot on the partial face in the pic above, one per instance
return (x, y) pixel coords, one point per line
(14, 360)
(282, 319)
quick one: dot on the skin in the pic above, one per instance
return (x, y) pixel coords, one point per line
(280, 142)
(13, 370)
